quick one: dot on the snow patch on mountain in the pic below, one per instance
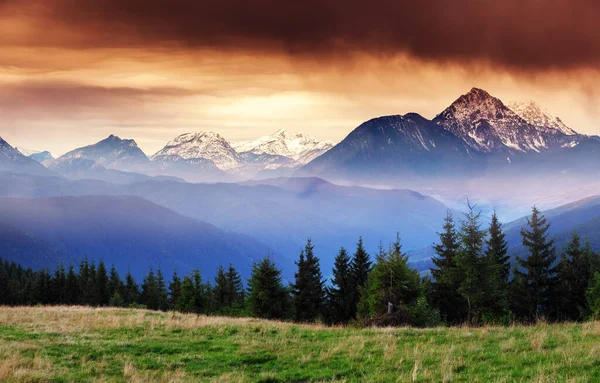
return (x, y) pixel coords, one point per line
(540, 117)
(202, 145)
(488, 125)
(298, 146)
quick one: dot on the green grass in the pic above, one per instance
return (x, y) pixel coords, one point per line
(79, 344)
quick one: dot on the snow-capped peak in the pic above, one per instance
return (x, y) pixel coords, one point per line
(206, 145)
(540, 117)
(297, 146)
(27, 152)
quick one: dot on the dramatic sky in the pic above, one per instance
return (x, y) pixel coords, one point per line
(74, 71)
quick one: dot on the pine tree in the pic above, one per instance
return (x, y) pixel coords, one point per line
(102, 285)
(391, 281)
(308, 289)
(150, 293)
(470, 262)
(72, 287)
(572, 281)
(444, 289)
(131, 290)
(58, 286)
(592, 296)
(536, 272)
(497, 264)
(84, 283)
(115, 284)
(186, 300)
(236, 287)
(340, 299)
(202, 293)
(221, 290)
(174, 290)
(267, 297)
(360, 267)
(163, 295)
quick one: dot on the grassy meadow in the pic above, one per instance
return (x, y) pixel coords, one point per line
(77, 344)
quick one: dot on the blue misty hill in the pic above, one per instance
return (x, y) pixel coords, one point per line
(130, 232)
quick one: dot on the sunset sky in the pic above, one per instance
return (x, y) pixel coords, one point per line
(74, 71)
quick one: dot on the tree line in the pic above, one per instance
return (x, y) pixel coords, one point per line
(473, 281)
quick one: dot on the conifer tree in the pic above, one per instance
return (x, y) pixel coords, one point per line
(115, 284)
(444, 289)
(186, 300)
(84, 282)
(235, 286)
(267, 297)
(58, 286)
(360, 267)
(497, 264)
(131, 290)
(308, 289)
(150, 292)
(536, 272)
(72, 287)
(163, 295)
(391, 281)
(174, 290)
(202, 293)
(572, 282)
(470, 262)
(221, 290)
(340, 299)
(102, 285)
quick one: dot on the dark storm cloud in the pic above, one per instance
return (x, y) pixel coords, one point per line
(527, 34)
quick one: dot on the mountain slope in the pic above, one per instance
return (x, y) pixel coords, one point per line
(11, 160)
(130, 232)
(394, 146)
(299, 147)
(489, 126)
(201, 145)
(581, 217)
(111, 153)
(539, 116)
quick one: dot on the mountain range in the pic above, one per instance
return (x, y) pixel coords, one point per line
(199, 156)
(475, 136)
(272, 193)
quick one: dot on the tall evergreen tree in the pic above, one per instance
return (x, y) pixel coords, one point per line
(340, 299)
(72, 287)
(360, 266)
(497, 264)
(115, 284)
(391, 281)
(84, 283)
(221, 290)
(308, 290)
(470, 262)
(58, 286)
(235, 286)
(174, 290)
(186, 300)
(150, 294)
(572, 282)
(131, 290)
(535, 276)
(267, 297)
(444, 289)
(102, 285)
(202, 293)
(163, 295)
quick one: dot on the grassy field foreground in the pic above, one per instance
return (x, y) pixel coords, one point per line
(111, 345)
